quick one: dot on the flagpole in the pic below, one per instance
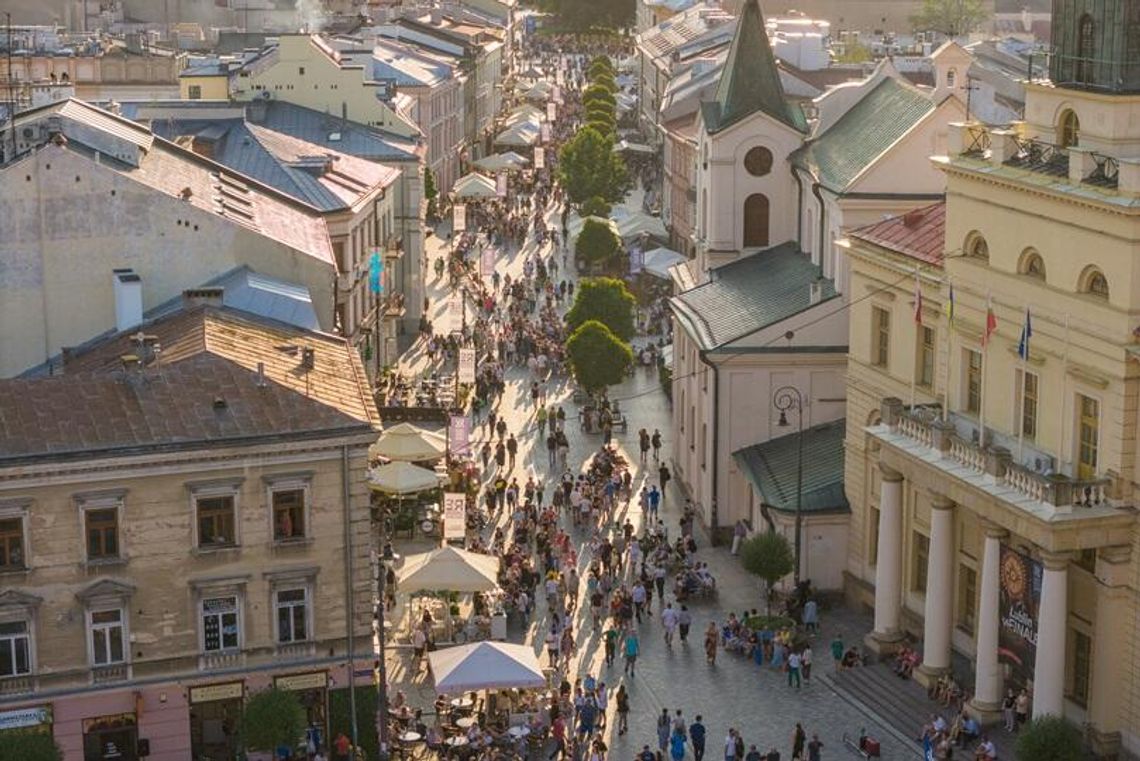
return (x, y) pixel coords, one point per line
(982, 385)
(1061, 406)
(948, 308)
(917, 343)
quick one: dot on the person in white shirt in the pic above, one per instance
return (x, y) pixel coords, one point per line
(669, 620)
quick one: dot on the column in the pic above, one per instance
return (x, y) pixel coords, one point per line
(888, 565)
(1111, 628)
(987, 671)
(1049, 666)
(939, 592)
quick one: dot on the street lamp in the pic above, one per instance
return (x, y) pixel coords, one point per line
(386, 557)
(789, 398)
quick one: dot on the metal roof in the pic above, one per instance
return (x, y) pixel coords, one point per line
(772, 468)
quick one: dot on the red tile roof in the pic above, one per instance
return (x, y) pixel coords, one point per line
(919, 234)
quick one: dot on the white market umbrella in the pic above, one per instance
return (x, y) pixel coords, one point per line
(401, 478)
(408, 443)
(520, 135)
(498, 162)
(451, 569)
(659, 260)
(475, 185)
(485, 666)
(540, 91)
(641, 224)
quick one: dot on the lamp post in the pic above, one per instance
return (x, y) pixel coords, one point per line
(789, 398)
(386, 556)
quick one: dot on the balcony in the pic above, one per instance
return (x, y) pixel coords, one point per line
(296, 651)
(394, 306)
(116, 672)
(393, 247)
(17, 685)
(952, 446)
(233, 659)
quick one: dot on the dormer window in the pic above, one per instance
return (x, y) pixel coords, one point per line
(1069, 129)
(951, 78)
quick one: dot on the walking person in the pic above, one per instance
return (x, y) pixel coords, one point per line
(632, 650)
(664, 476)
(655, 440)
(711, 638)
(664, 729)
(814, 748)
(677, 746)
(799, 739)
(794, 669)
(622, 701)
(684, 622)
(669, 623)
(739, 531)
(512, 450)
(697, 738)
(730, 745)
(805, 663)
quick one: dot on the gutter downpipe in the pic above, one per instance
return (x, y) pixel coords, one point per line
(799, 211)
(349, 595)
(713, 520)
(815, 186)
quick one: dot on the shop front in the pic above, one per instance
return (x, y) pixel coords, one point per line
(111, 738)
(32, 719)
(312, 690)
(215, 715)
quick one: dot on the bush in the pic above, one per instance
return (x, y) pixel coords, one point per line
(273, 718)
(29, 746)
(1049, 738)
(596, 207)
(340, 717)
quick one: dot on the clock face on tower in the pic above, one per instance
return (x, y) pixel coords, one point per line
(758, 161)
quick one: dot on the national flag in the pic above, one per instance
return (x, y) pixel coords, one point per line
(991, 323)
(1026, 334)
(917, 299)
(948, 307)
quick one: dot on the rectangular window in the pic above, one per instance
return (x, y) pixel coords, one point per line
(215, 521)
(288, 514)
(973, 365)
(924, 372)
(107, 637)
(292, 615)
(102, 527)
(15, 649)
(11, 544)
(921, 557)
(967, 594)
(195, 92)
(1082, 660)
(873, 551)
(1026, 404)
(881, 337)
(220, 624)
(1089, 431)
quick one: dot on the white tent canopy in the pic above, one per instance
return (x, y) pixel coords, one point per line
(641, 224)
(408, 443)
(402, 478)
(624, 146)
(474, 185)
(540, 91)
(498, 162)
(527, 112)
(659, 260)
(520, 135)
(449, 568)
(574, 226)
(485, 666)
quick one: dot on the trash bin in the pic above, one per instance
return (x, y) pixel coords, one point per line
(499, 626)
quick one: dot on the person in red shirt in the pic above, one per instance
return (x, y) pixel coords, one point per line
(558, 732)
(342, 747)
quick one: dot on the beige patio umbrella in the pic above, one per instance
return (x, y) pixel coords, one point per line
(401, 478)
(485, 666)
(449, 568)
(408, 443)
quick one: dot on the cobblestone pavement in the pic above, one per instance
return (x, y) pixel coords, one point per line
(735, 692)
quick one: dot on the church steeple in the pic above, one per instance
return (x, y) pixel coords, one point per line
(1096, 45)
(750, 81)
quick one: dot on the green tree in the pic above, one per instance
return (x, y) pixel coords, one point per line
(769, 556)
(1049, 738)
(598, 357)
(596, 207)
(598, 94)
(588, 167)
(597, 243)
(29, 746)
(272, 718)
(607, 300)
(953, 18)
(606, 80)
(431, 193)
(600, 64)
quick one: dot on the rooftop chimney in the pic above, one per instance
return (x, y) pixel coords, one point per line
(208, 297)
(815, 291)
(128, 299)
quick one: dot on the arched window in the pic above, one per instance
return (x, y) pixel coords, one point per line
(951, 78)
(1069, 129)
(1032, 264)
(1086, 48)
(976, 247)
(758, 161)
(756, 221)
(1094, 283)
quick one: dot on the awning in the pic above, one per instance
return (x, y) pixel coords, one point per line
(539, 91)
(626, 146)
(521, 135)
(659, 260)
(772, 466)
(450, 569)
(474, 185)
(642, 224)
(499, 162)
(485, 666)
(402, 478)
(406, 442)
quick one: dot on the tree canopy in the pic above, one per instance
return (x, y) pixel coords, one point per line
(599, 64)
(272, 718)
(603, 14)
(1049, 738)
(588, 167)
(769, 556)
(597, 242)
(596, 207)
(29, 746)
(953, 18)
(598, 357)
(606, 300)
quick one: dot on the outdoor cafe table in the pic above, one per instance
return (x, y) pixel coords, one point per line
(462, 704)
(466, 722)
(411, 737)
(457, 742)
(518, 732)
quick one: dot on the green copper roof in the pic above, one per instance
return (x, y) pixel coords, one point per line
(771, 467)
(864, 133)
(751, 81)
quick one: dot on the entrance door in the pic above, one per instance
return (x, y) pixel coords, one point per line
(213, 730)
(119, 744)
(756, 221)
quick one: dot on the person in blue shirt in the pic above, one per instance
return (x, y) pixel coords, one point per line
(677, 746)
(697, 736)
(632, 650)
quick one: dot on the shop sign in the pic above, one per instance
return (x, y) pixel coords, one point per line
(317, 680)
(459, 435)
(1019, 600)
(22, 718)
(209, 693)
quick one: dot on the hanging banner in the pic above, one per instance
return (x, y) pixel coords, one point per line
(375, 271)
(455, 313)
(459, 435)
(501, 185)
(459, 218)
(1019, 601)
(454, 515)
(551, 112)
(487, 262)
(466, 365)
(544, 132)
(556, 95)
(540, 158)
(636, 260)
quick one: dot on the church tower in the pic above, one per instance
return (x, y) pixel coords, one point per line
(1096, 45)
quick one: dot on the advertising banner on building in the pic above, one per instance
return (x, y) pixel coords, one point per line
(455, 313)
(459, 217)
(551, 112)
(1020, 596)
(501, 185)
(540, 158)
(467, 366)
(636, 260)
(459, 435)
(544, 132)
(487, 262)
(454, 515)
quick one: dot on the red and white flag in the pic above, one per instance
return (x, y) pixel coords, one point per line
(917, 299)
(991, 323)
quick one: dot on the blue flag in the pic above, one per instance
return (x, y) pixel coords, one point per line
(375, 269)
(1026, 334)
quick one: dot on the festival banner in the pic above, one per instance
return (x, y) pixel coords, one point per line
(455, 313)
(459, 435)
(1020, 597)
(539, 158)
(544, 132)
(466, 365)
(375, 271)
(501, 185)
(487, 262)
(556, 95)
(454, 515)
(459, 218)
(636, 260)
(551, 112)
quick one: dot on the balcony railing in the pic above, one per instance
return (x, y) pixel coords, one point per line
(1039, 156)
(17, 685)
(977, 141)
(1106, 174)
(924, 426)
(117, 672)
(296, 651)
(221, 661)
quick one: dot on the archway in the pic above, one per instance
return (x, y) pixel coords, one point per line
(756, 221)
